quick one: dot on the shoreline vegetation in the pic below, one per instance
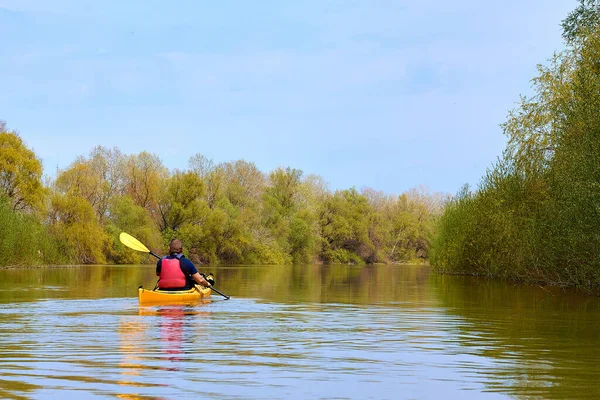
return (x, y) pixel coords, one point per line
(535, 217)
(420, 263)
(229, 213)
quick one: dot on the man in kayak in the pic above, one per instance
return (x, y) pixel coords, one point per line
(176, 272)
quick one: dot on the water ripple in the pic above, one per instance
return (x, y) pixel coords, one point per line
(421, 343)
(113, 347)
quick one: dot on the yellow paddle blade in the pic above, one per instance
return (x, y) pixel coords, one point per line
(132, 242)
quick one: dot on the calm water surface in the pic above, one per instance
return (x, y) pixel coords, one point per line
(381, 332)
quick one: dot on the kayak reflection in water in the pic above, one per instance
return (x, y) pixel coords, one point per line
(171, 332)
(176, 272)
(175, 324)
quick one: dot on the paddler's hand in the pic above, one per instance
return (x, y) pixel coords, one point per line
(209, 278)
(199, 279)
(204, 282)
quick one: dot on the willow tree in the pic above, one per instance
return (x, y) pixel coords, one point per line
(143, 177)
(281, 214)
(535, 215)
(350, 229)
(125, 216)
(80, 180)
(580, 22)
(97, 178)
(575, 175)
(305, 236)
(20, 172)
(74, 221)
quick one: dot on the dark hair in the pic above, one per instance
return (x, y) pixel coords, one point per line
(175, 246)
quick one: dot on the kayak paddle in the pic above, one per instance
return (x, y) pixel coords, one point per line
(135, 244)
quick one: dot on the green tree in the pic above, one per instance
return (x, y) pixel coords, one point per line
(245, 183)
(74, 221)
(348, 224)
(280, 212)
(80, 180)
(405, 223)
(97, 178)
(20, 172)
(182, 200)
(582, 21)
(144, 175)
(126, 216)
(305, 230)
(201, 165)
(574, 178)
(535, 214)
(109, 166)
(24, 240)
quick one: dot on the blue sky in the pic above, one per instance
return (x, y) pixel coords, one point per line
(373, 93)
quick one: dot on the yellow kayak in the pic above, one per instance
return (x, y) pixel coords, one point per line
(148, 297)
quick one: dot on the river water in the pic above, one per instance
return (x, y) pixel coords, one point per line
(295, 332)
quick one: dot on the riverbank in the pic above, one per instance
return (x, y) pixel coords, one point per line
(535, 216)
(39, 266)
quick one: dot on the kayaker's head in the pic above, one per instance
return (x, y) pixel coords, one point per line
(175, 246)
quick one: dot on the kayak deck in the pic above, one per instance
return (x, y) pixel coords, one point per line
(148, 297)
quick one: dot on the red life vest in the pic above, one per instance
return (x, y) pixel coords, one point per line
(171, 275)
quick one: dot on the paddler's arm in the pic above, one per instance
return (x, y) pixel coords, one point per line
(158, 267)
(199, 279)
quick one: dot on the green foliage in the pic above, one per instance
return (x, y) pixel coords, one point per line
(408, 231)
(144, 175)
(536, 215)
(74, 221)
(227, 213)
(581, 21)
(244, 183)
(24, 240)
(347, 221)
(125, 216)
(280, 208)
(80, 180)
(20, 172)
(291, 207)
(98, 178)
(182, 200)
(302, 241)
(574, 176)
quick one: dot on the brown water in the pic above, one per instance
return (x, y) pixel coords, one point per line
(381, 332)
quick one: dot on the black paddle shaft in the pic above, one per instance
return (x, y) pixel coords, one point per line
(224, 295)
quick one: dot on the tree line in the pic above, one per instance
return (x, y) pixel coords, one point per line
(225, 213)
(535, 216)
